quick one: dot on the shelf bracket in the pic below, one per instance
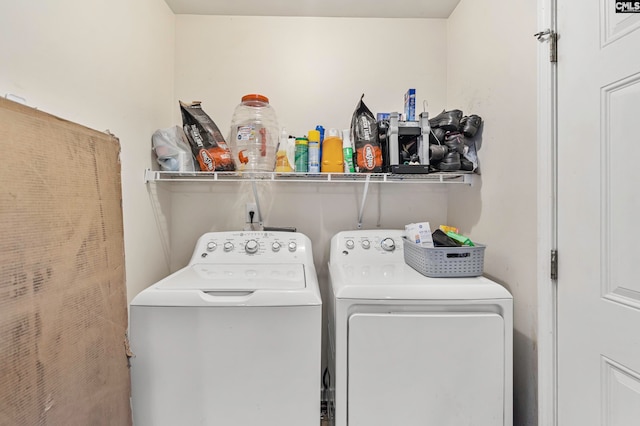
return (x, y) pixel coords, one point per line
(364, 199)
(257, 200)
(149, 176)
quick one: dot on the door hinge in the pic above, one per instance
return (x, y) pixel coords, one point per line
(552, 36)
(554, 264)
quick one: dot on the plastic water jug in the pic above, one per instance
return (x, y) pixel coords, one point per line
(254, 134)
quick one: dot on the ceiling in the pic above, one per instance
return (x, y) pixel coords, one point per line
(321, 8)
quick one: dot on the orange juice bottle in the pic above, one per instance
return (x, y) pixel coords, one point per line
(332, 157)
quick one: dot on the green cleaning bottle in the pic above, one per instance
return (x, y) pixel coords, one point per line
(347, 151)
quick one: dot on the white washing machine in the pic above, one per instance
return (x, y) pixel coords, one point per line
(409, 350)
(232, 339)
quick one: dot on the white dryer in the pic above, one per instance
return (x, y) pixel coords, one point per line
(232, 339)
(409, 350)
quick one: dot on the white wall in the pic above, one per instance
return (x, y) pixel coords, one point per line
(492, 72)
(314, 71)
(106, 65)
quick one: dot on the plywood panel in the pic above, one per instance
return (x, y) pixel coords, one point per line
(63, 312)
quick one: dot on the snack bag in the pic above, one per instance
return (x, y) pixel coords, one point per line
(364, 134)
(207, 143)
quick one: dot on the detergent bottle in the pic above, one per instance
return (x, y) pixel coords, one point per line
(332, 156)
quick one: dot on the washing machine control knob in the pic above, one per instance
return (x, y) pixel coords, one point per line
(251, 246)
(211, 246)
(293, 246)
(388, 244)
(276, 246)
(366, 244)
(228, 246)
(350, 244)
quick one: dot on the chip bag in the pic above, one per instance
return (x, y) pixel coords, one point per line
(364, 134)
(207, 143)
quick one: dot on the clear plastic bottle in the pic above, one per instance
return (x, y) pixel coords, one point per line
(282, 160)
(254, 134)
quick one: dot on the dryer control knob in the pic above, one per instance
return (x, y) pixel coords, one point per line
(251, 246)
(293, 246)
(276, 246)
(388, 244)
(211, 246)
(366, 244)
(350, 244)
(228, 246)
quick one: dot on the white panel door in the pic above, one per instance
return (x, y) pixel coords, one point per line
(444, 369)
(598, 206)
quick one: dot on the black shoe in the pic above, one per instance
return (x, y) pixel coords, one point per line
(454, 141)
(437, 153)
(470, 125)
(436, 136)
(450, 162)
(448, 120)
(466, 165)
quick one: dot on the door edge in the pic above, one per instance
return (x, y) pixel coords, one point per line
(547, 220)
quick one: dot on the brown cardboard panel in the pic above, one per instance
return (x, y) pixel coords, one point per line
(63, 310)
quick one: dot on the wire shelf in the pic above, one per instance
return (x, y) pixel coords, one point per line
(440, 177)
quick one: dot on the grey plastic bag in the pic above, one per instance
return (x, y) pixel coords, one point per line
(172, 151)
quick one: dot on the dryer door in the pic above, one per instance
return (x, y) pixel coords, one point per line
(415, 369)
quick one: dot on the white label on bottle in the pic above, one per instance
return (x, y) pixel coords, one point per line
(246, 133)
(314, 157)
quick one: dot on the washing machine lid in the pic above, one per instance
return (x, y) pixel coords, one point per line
(234, 277)
(234, 285)
(398, 281)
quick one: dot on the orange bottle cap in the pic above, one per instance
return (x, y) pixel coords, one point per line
(255, 97)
